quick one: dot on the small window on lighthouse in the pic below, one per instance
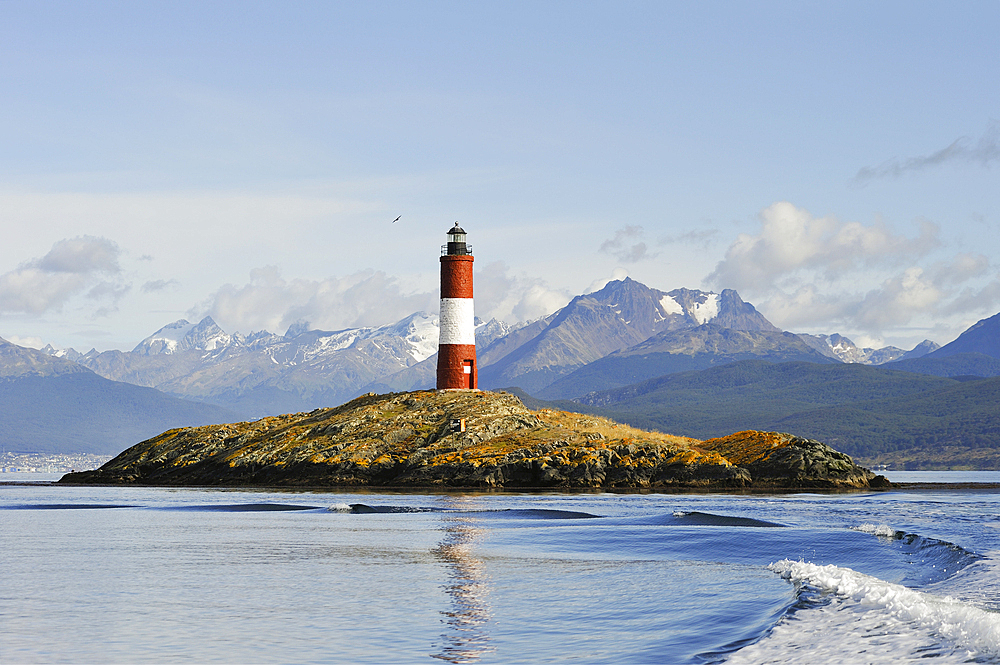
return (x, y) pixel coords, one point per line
(467, 368)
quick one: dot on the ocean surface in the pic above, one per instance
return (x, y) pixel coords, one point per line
(144, 575)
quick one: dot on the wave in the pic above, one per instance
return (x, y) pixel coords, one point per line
(363, 508)
(844, 615)
(880, 530)
(696, 518)
(708, 519)
(541, 514)
(243, 507)
(938, 559)
(521, 513)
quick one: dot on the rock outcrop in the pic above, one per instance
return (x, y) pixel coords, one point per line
(417, 439)
(775, 459)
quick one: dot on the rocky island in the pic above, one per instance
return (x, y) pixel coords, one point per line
(469, 439)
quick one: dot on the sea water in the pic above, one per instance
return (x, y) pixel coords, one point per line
(156, 575)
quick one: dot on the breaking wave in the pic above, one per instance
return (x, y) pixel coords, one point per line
(938, 559)
(846, 616)
(363, 508)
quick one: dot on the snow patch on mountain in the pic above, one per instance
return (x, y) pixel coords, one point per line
(421, 332)
(671, 306)
(708, 309)
(330, 343)
(843, 349)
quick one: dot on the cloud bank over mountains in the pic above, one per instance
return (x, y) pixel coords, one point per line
(805, 273)
(821, 273)
(269, 301)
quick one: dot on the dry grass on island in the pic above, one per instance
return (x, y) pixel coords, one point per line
(408, 440)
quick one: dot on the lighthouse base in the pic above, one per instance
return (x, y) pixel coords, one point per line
(456, 367)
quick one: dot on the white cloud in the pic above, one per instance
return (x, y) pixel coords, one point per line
(84, 254)
(806, 308)
(819, 274)
(701, 239)
(792, 241)
(367, 298)
(270, 302)
(976, 299)
(897, 300)
(538, 301)
(960, 269)
(28, 342)
(511, 298)
(73, 266)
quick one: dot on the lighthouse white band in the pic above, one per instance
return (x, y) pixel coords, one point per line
(458, 322)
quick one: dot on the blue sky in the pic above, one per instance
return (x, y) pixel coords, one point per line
(835, 163)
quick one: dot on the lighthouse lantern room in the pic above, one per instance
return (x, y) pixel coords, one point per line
(457, 347)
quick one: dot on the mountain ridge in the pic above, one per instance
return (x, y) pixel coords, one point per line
(263, 373)
(52, 405)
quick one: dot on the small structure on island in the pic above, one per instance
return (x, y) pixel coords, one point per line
(456, 367)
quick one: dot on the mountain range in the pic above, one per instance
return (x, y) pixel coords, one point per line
(621, 335)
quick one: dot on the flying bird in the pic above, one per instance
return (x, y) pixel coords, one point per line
(396, 220)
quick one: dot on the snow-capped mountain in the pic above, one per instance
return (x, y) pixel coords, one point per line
(622, 314)
(182, 335)
(264, 373)
(843, 349)
(419, 331)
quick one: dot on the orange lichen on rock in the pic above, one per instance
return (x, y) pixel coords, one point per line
(748, 446)
(411, 439)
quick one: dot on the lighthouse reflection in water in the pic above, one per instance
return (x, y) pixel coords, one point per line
(467, 636)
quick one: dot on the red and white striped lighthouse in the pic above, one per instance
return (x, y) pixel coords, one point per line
(457, 347)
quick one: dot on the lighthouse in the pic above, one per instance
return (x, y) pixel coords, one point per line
(457, 347)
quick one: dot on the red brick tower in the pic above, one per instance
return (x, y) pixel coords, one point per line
(457, 348)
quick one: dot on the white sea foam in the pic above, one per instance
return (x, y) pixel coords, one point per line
(871, 620)
(340, 508)
(880, 530)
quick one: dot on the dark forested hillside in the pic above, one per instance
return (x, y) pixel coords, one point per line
(868, 412)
